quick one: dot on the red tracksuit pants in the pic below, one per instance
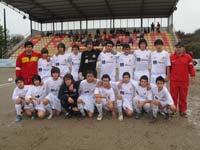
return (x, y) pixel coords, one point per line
(179, 92)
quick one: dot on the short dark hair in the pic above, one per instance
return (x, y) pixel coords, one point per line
(36, 78)
(158, 42)
(61, 45)
(75, 46)
(126, 46)
(144, 77)
(160, 78)
(110, 42)
(142, 41)
(44, 51)
(126, 74)
(92, 72)
(69, 77)
(19, 79)
(105, 76)
(89, 42)
(55, 70)
(28, 43)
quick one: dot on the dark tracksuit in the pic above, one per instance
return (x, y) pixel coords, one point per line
(88, 61)
(65, 93)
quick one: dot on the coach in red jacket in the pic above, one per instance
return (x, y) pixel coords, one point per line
(26, 63)
(181, 67)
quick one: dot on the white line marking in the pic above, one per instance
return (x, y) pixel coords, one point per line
(5, 84)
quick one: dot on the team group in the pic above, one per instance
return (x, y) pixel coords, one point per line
(47, 85)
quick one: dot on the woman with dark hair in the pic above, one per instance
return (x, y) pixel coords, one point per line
(68, 95)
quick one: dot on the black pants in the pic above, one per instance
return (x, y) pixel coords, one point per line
(68, 106)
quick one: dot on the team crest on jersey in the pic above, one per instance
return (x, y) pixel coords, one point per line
(93, 56)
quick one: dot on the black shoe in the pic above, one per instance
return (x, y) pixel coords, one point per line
(137, 116)
(153, 120)
(68, 115)
(166, 116)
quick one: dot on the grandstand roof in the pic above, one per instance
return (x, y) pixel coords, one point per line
(45, 11)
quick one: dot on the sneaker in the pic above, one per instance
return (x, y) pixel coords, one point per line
(153, 119)
(183, 114)
(99, 117)
(120, 117)
(68, 115)
(33, 115)
(166, 116)
(50, 116)
(18, 118)
(137, 116)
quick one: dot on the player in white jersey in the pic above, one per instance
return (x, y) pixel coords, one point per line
(141, 60)
(18, 97)
(74, 61)
(143, 96)
(86, 100)
(125, 96)
(161, 99)
(60, 60)
(108, 60)
(160, 62)
(125, 61)
(52, 86)
(34, 98)
(104, 97)
(44, 65)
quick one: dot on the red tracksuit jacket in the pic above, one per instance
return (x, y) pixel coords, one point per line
(181, 67)
(26, 66)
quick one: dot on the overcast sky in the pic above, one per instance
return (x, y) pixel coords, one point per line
(186, 18)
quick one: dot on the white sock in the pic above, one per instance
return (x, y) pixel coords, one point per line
(18, 109)
(80, 107)
(119, 106)
(48, 108)
(99, 108)
(155, 110)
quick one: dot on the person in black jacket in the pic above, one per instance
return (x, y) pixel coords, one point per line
(68, 94)
(88, 59)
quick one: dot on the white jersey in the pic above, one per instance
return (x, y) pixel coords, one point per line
(159, 62)
(53, 86)
(44, 68)
(19, 92)
(106, 92)
(61, 61)
(163, 96)
(125, 64)
(36, 92)
(141, 93)
(142, 60)
(108, 64)
(87, 89)
(74, 61)
(127, 91)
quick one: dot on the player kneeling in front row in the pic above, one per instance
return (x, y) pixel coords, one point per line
(52, 86)
(86, 100)
(105, 97)
(68, 95)
(143, 96)
(161, 99)
(34, 98)
(18, 97)
(125, 96)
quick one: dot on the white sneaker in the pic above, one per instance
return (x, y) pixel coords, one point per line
(99, 117)
(120, 117)
(50, 116)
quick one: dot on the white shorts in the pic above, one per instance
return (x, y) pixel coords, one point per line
(104, 102)
(136, 101)
(128, 104)
(54, 101)
(36, 106)
(139, 74)
(88, 102)
(165, 103)
(154, 76)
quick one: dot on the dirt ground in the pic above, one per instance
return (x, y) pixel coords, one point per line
(109, 134)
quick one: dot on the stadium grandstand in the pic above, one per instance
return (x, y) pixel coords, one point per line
(74, 21)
